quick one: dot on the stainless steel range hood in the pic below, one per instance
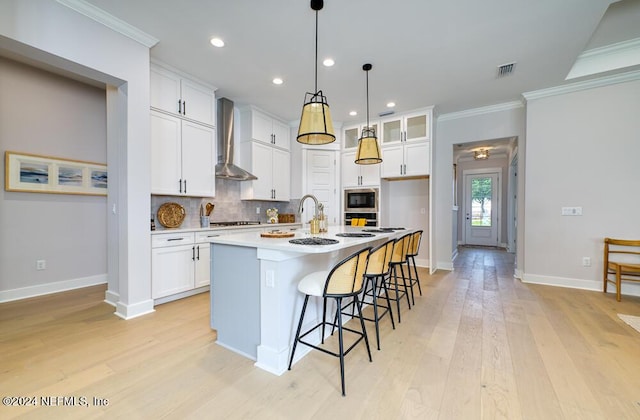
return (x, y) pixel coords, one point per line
(225, 167)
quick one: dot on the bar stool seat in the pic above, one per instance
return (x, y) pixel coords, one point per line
(313, 284)
(344, 280)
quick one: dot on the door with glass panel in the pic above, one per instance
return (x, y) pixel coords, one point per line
(481, 208)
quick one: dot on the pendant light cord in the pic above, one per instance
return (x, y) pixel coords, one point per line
(316, 86)
(367, 99)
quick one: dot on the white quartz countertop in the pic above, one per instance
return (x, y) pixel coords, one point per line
(222, 229)
(254, 240)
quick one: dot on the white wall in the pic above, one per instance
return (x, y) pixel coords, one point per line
(406, 204)
(583, 150)
(49, 33)
(502, 121)
(46, 114)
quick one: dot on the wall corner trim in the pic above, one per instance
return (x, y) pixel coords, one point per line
(110, 21)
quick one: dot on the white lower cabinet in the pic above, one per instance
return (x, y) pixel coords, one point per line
(179, 262)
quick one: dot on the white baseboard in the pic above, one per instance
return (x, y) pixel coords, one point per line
(135, 310)
(111, 298)
(48, 288)
(632, 289)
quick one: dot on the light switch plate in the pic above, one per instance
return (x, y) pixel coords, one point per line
(572, 211)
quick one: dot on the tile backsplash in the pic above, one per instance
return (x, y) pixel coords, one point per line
(228, 206)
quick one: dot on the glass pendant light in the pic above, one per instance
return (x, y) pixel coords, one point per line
(316, 126)
(368, 150)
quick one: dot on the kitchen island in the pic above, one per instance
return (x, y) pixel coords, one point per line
(255, 303)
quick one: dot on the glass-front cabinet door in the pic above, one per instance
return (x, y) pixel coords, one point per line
(391, 131)
(416, 127)
(350, 137)
(352, 134)
(409, 127)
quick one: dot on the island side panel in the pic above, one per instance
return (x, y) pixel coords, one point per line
(235, 298)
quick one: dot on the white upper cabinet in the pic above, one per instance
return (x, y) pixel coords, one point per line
(182, 157)
(259, 126)
(172, 93)
(272, 167)
(413, 127)
(406, 160)
(354, 175)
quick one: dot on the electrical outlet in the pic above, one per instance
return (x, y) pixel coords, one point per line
(270, 279)
(41, 264)
(586, 261)
(257, 210)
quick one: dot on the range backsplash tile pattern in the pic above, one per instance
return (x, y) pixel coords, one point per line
(228, 206)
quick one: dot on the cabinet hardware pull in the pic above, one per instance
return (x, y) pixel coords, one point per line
(179, 106)
(175, 239)
(180, 185)
(184, 107)
(185, 186)
(193, 253)
(198, 257)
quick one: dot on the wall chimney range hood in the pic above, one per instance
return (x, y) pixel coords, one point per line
(225, 168)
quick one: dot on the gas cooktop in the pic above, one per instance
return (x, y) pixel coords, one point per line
(235, 223)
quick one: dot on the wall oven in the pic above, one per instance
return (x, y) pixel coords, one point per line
(361, 200)
(371, 218)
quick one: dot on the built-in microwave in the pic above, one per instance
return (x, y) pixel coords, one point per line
(361, 200)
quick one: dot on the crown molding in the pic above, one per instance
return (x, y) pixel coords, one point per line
(481, 111)
(607, 58)
(110, 21)
(584, 85)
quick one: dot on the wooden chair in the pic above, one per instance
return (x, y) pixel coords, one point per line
(622, 261)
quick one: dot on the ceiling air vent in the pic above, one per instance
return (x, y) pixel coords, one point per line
(506, 69)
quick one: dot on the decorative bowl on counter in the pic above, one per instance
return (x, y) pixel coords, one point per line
(171, 215)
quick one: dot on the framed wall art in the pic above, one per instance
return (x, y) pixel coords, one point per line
(45, 174)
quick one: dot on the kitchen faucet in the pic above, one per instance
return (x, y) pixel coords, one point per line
(315, 200)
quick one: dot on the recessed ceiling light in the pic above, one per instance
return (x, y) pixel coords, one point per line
(277, 81)
(217, 42)
(391, 104)
(353, 113)
(328, 62)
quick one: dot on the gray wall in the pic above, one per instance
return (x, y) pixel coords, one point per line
(46, 114)
(583, 150)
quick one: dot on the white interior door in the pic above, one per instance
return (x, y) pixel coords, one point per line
(481, 208)
(321, 182)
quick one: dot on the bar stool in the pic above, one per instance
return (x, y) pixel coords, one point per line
(398, 258)
(343, 281)
(414, 248)
(375, 281)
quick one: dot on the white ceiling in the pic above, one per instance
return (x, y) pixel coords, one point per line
(423, 52)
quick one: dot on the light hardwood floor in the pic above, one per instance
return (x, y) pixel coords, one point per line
(478, 345)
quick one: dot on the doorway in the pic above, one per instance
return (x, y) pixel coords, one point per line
(481, 206)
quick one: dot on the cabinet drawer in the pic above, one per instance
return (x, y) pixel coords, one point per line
(205, 236)
(171, 239)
